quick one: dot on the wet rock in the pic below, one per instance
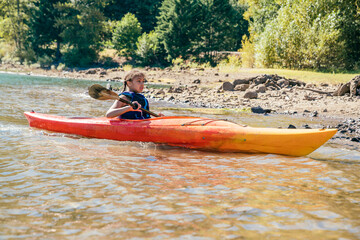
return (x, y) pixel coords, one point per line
(228, 86)
(314, 114)
(291, 126)
(307, 126)
(260, 110)
(355, 139)
(250, 94)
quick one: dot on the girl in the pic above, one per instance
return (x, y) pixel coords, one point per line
(134, 80)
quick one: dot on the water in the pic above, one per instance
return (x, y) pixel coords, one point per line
(58, 186)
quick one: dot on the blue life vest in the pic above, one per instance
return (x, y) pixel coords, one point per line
(136, 114)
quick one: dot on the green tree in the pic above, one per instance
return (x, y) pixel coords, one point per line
(12, 27)
(126, 34)
(144, 10)
(222, 26)
(82, 34)
(43, 31)
(179, 29)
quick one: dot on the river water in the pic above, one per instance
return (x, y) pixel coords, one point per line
(58, 186)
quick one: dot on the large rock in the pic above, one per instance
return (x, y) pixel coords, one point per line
(342, 90)
(228, 86)
(250, 94)
(354, 86)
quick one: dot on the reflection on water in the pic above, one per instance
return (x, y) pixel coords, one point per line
(57, 186)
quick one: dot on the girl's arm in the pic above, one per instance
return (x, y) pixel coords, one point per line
(118, 108)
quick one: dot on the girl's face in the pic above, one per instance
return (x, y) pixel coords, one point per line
(136, 85)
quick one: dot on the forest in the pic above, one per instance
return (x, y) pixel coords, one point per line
(320, 35)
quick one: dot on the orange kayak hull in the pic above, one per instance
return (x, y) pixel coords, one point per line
(189, 132)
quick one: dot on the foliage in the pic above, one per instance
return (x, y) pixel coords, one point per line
(222, 26)
(219, 26)
(176, 29)
(82, 35)
(108, 30)
(43, 32)
(12, 27)
(297, 34)
(230, 63)
(179, 63)
(45, 61)
(148, 48)
(144, 10)
(305, 33)
(247, 53)
(126, 34)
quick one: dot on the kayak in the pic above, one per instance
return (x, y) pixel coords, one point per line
(189, 132)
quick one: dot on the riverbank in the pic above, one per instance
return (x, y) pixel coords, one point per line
(211, 88)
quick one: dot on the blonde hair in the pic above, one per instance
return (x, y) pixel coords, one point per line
(132, 75)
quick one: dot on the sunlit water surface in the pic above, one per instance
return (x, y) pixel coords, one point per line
(58, 186)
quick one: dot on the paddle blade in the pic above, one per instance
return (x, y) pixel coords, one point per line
(101, 93)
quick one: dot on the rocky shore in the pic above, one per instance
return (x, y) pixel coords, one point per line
(262, 94)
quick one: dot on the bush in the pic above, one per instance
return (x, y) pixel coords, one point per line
(230, 63)
(75, 57)
(147, 48)
(45, 61)
(126, 34)
(247, 53)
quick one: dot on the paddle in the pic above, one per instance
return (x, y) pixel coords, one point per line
(101, 93)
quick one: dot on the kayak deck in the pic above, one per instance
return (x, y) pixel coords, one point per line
(189, 132)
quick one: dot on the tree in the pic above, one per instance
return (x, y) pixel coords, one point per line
(82, 34)
(223, 26)
(144, 10)
(12, 27)
(43, 31)
(179, 29)
(126, 34)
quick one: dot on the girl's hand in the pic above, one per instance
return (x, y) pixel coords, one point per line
(137, 106)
